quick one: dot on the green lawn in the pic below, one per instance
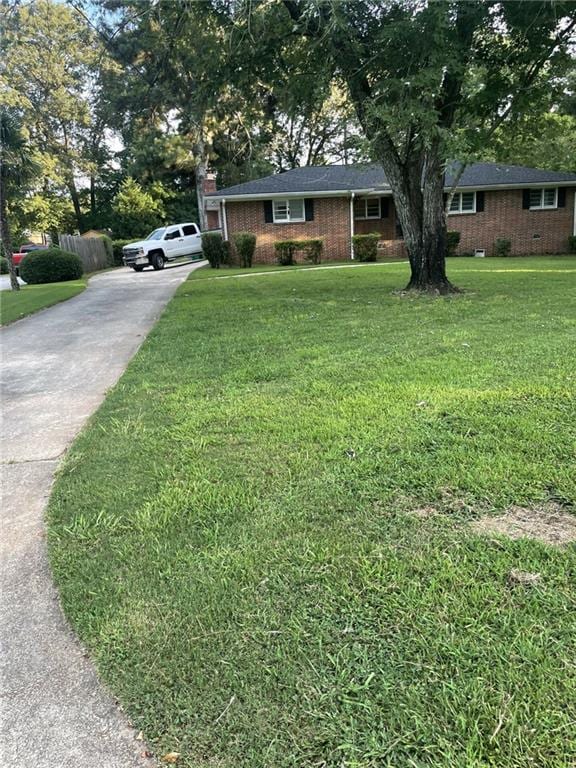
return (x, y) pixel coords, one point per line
(31, 298)
(234, 538)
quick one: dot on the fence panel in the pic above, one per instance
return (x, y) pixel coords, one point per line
(91, 250)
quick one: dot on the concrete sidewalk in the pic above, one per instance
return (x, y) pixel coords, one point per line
(56, 368)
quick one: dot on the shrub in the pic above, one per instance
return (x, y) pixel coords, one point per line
(452, 242)
(366, 246)
(3, 266)
(108, 245)
(245, 244)
(50, 266)
(502, 246)
(117, 246)
(213, 248)
(313, 251)
(226, 252)
(285, 250)
(571, 243)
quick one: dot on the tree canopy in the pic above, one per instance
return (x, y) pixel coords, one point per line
(135, 100)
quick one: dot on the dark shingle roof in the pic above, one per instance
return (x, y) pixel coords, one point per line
(334, 178)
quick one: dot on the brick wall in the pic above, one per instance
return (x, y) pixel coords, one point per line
(331, 223)
(504, 217)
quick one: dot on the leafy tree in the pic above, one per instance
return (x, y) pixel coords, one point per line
(136, 211)
(17, 167)
(52, 61)
(428, 81)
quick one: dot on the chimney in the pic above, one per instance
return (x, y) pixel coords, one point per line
(209, 185)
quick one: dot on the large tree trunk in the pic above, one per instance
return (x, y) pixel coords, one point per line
(201, 173)
(75, 202)
(418, 189)
(5, 236)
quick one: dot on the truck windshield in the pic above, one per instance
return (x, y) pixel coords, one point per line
(157, 234)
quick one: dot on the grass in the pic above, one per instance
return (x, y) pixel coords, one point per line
(233, 534)
(31, 298)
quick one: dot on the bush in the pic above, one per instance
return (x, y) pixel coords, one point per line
(245, 244)
(108, 245)
(117, 246)
(502, 246)
(226, 252)
(452, 242)
(213, 248)
(50, 266)
(285, 250)
(571, 243)
(366, 246)
(3, 266)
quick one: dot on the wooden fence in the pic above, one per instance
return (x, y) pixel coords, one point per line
(91, 250)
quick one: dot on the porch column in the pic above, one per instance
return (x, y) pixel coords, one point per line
(351, 225)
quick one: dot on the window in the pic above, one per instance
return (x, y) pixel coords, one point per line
(544, 198)
(286, 211)
(172, 234)
(189, 229)
(463, 202)
(367, 208)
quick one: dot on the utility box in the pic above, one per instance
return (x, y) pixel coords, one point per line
(479, 253)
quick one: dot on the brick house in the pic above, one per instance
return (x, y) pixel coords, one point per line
(534, 209)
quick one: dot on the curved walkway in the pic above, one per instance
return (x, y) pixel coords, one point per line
(56, 368)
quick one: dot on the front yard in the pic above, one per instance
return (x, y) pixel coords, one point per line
(31, 298)
(265, 540)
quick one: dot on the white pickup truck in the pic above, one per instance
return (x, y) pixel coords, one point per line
(162, 245)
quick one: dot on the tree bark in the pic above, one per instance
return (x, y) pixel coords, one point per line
(5, 236)
(201, 173)
(75, 202)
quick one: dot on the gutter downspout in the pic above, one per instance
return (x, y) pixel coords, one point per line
(352, 225)
(224, 222)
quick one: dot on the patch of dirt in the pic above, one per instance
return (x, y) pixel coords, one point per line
(549, 523)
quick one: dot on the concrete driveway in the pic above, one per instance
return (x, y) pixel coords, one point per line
(56, 368)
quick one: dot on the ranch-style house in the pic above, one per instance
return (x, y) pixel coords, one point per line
(534, 209)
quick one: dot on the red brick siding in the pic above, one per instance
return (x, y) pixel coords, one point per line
(504, 217)
(331, 223)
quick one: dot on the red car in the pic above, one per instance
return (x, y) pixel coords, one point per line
(25, 249)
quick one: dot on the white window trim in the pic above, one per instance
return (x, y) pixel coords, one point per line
(365, 201)
(543, 207)
(460, 212)
(289, 220)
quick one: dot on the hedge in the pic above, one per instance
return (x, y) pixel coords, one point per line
(213, 248)
(3, 266)
(452, 242)
(117, 246)
(245, 244)
(285, 250)
(50, 266)
(366, 246)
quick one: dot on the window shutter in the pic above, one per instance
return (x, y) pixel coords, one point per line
(526, 198)
(309, 209)
(384, 207)
(561, 197)
(479, 202)
(268, 214)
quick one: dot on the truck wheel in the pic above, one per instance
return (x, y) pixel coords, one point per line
(138, 267)
(158, 261)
